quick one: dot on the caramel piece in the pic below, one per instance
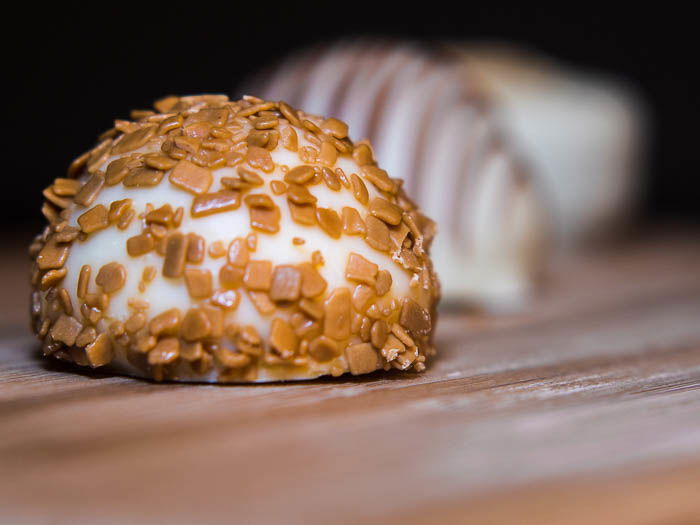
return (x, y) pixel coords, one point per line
(259, 158)
(117, 209)
(283, 339)
(139, 244)
(359, 190)
(360, 269)
(95, 219)
(383, 282)
(328, 154)
(230, 359)
(329, 221)
(238, 254)
(165, 352)
(259, 200)
(227, 299)
(361, 358)
(220, 201)
(86, 336)
(195, 325)
(175, 255)
(83, 281)
(159, 162)
(66, 329)
(352, 222)
(379, 333)
(231, 276)
(166, 323)
(365, 329)
(304, 214)
(111, 277)
(323, 349)
(300, 195)
(362, 296)
(286, 284)
(414, 318)
(143, 178)
(162, 215)
(199, 283)
(330, 179)
(195, 248)
(311, 308)
(135, 323)
(118, 169)
(52, 277)
(216, 317)
(191, 178)
(133, 140)
(66, 187)
(289, 139)
(385, 210)
(191, 352)
(87, 194)
(258, 275)
(299, 175)
(312, 284)
(249, 177)
(278, 187)
(52, 255)
(392, 348)
(335, 127)
(336, 323)
(262, 302)
(61, 202)
(99, 352)
(217, 249)
(377, 234)
(266, 220)
(379, 178)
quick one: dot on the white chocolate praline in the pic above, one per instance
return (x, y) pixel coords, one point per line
(162, 293)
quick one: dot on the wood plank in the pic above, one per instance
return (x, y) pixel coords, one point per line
(565, 412)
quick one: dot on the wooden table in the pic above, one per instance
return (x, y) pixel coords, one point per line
(585, 410)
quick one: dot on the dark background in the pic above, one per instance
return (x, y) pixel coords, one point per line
(71, 69)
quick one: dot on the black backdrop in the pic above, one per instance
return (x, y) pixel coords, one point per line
(70, 69)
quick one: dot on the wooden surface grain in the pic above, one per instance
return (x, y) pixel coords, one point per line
(586, 409)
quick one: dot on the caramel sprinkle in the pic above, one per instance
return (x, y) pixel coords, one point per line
(199, 283)
(165, 352)
(304, 214)
(283, 339)
(312, 284)
(330, 222)
(352, 222)
(87, 194)
(66, 187)
(323, 349)
(134, 140)
(175, 255)
(362, 358)
(195, 325)
(83, 281)
(360, 269)
(299, 175)
(99, 352)
(383, 282)
(260, 158)
(220, 201)
(167, 323)
(379, 178)
(111, 277)
(231, 276)
(377, 234)
(190, 177)
(143, 178)
(195, 248)
(52, 255)
(140, 244)
(258, 275)
(286, 283)
(359, 190)
(336, 323)
(95, 219)
(385, 210)
(66, 329)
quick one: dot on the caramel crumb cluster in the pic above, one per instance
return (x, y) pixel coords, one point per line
(314, 329)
